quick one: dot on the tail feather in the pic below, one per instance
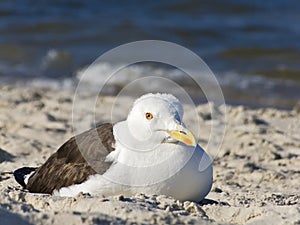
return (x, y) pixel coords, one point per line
(23, 174)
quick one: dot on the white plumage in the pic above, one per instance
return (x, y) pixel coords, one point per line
(155, 154)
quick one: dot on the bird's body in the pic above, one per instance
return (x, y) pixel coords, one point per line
(151, 152)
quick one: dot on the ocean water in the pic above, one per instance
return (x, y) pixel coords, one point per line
(252, 47)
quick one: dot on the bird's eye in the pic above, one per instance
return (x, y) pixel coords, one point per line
(149, 116)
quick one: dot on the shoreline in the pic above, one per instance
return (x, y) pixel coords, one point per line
(256, 171)
(234, 96)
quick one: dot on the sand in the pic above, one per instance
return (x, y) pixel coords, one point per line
(256, 171)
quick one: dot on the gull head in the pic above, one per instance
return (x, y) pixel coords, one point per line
(157, 118)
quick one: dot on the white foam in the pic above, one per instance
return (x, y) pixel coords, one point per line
(95, 76)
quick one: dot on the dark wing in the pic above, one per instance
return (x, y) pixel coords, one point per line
(78, 158)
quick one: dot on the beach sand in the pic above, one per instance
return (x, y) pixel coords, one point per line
(256, 171)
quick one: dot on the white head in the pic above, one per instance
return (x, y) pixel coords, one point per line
(157, 118)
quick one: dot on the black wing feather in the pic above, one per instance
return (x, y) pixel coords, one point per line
(78, 158)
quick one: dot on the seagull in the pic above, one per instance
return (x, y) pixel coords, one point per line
(151, 152)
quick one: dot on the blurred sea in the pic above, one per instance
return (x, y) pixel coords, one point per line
(253, 47)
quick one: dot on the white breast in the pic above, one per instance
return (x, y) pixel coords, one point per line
(185, 174)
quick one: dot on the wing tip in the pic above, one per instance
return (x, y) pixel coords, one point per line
(21, 173)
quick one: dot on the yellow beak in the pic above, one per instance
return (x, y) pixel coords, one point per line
(183, 135)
